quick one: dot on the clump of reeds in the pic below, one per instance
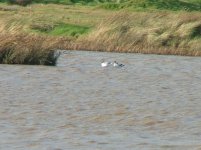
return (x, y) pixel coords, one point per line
(27, 49)
(158, 33)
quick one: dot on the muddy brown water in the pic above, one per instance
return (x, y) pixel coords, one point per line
(154, 102)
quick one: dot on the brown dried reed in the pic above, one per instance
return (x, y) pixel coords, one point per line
(28, 49)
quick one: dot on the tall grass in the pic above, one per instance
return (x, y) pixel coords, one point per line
(187, 5)
(153, 32)
(159, 33)
(27, 49)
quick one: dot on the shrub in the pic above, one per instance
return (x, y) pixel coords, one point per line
(27, 49)
(20, 2)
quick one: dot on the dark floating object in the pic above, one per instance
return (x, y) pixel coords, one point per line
(116, 64)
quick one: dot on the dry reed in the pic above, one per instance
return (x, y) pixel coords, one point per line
(28, 49)
(158, 33)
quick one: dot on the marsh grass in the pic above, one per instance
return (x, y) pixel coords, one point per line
(186, 5)
(89, 28)
(27, 49)
(159, 33)
(175, 5)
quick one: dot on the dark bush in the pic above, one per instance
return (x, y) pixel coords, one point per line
(196, 32)
(20, 2)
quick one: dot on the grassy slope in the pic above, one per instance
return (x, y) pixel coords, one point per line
(93, 28)
(188, 5)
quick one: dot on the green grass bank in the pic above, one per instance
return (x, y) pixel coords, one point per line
(135, 26)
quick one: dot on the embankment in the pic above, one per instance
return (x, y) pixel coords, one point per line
(30, 34)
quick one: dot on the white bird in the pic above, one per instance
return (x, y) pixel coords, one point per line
(116, 64)
(105, 63)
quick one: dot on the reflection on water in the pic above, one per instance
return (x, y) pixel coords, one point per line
(151, 103)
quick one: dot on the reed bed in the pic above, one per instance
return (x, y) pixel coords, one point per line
(27, 49)
(150, 33)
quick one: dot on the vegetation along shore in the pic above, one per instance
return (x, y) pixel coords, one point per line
(31, 31)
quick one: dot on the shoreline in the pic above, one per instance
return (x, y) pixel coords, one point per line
(38, 50)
